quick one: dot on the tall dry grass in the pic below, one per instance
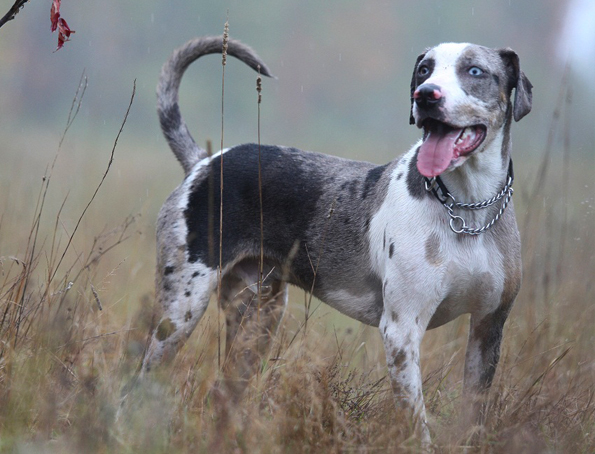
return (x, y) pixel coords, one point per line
(66, 354)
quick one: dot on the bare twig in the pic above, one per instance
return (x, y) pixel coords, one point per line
(13, 11)
(34, 232)
(109, 165)
(75, 106)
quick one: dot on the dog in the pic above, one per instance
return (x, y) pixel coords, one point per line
(407, 246)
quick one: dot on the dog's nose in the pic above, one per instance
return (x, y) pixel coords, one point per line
(427, 95)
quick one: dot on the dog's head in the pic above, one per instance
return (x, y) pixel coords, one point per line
(460, 96)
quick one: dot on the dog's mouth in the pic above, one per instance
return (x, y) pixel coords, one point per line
(443, 143)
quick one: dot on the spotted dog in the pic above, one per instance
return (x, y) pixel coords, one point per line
(406, 246)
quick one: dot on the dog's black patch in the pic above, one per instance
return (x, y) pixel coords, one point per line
(168, 270)
(288, 181)
(187, 293)
(315, 220)
(372, 179)
(418, 79)
(391, 250)
(196, 273)
(415, 180)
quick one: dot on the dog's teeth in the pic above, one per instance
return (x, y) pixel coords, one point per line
(467, 133)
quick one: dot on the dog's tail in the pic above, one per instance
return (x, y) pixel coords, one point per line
(173, 126)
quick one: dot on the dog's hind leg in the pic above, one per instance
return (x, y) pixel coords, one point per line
(183, 293)
(250, 326)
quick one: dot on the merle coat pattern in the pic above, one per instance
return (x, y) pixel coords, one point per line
(368, 240)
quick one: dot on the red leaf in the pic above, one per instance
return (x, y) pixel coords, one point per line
(59, 24)
(55, 14)
(64, 32)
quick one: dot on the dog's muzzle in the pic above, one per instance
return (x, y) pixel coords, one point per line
(427, 96)
(443, 142)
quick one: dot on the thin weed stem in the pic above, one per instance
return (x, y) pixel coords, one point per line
(109, 165)
(261, 261)
(34, 232)
(211, 207)
(220, 270)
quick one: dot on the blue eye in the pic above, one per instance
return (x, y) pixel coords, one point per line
(423, 70)
(475, 71)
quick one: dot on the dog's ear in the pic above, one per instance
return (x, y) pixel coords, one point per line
(419, 58)
(523, 97)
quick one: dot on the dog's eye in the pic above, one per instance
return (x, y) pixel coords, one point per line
(475, 71)
(423, 70)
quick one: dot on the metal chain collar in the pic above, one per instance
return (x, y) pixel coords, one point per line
(457, 223)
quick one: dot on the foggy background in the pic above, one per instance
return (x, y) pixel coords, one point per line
(77, 269)
(343, 71)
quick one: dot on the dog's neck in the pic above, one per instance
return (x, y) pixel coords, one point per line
(483, 175)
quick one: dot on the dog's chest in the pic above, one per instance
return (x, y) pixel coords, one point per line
(421, 261)
(470, 279)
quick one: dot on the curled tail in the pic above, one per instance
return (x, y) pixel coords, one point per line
(173, 126)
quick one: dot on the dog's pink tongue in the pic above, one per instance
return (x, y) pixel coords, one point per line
(436, 152)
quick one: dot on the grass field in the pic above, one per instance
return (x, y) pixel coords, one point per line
(76, 309)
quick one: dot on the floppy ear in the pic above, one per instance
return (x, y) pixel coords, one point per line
(523, 97)
(419, 58)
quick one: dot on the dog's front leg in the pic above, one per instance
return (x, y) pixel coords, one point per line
(481, 359)
(402, 339)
